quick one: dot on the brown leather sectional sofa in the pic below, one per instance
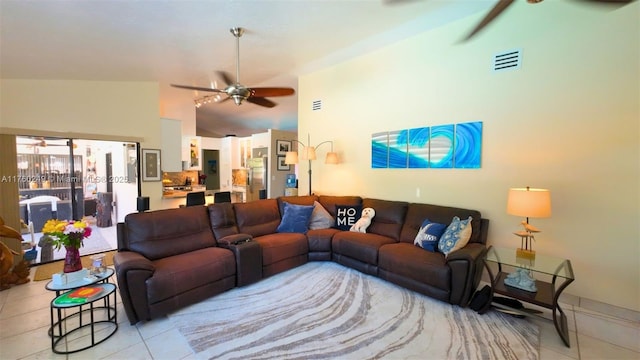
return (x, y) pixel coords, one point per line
(172, 258)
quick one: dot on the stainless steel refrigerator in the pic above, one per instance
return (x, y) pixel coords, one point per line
(258, 176)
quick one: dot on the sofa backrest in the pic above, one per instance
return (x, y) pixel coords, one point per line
(296, 200)
(162, 233)
(417, 213)
(223, 220)
(389, 217)
(258, 217)
(329, 202)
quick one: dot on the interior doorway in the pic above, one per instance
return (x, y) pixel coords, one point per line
(65, 179)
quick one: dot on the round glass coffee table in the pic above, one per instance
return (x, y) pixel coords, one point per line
(90, 307)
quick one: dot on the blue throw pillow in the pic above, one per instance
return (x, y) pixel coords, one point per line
(456, 236)
(347, 215)
(295, 218)
(429, 235)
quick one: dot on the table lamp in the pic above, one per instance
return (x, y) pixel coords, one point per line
(528, 202)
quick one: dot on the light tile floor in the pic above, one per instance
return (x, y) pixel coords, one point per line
(24, 320)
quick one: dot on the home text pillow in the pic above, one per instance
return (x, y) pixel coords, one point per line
(347, 215)
(320, 217)
(456, 236)
(429, 235)
(295, 218)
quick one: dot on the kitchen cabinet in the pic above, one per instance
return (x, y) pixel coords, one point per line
(171, 140)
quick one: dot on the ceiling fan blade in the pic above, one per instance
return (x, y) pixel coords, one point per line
(197, 88)
(261, 101)
(226, 78)
(272, 91)
(497, 10)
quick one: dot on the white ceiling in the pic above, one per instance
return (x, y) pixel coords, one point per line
(186, 42)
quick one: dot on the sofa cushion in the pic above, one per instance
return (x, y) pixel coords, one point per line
(162, 233)
(416, 214)
(178, 274)
(456, 236)
(257, 218)
(297, 200)
(281, 246)
(320, 218)
(429, 235)
(389, 217)
(407, 260)
(223, 220)
(347, 215)
(329, 202)
(295, 218)
(360, 246)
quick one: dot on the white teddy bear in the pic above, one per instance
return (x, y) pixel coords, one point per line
(365, 220)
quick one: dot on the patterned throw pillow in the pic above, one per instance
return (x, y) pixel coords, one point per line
(429, 235)
(295, 218)
(320, 217)
(347, 215)
(456, 236)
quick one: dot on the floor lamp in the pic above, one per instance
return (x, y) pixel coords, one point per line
(308, 152)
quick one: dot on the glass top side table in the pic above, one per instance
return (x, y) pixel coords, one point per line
(548, 292)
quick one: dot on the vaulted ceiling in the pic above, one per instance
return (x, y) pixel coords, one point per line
(186, 42)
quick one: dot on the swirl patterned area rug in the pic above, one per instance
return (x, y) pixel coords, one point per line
(323, 310)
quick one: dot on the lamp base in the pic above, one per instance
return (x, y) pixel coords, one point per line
(525, 253)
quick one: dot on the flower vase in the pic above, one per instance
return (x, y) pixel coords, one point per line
(72, 260)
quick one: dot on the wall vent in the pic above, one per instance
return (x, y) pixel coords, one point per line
(316, 105)
(508, 60)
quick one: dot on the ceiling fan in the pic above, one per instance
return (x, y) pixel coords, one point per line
(504, 4)
(237, 91)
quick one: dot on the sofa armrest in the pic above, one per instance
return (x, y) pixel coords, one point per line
(471, 252)
(466, 269)
(234, 239)
(132, 272)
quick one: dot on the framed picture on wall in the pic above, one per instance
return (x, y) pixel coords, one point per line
(282, 166)
(151, 165)
(282, 146)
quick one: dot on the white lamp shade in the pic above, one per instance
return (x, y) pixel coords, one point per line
(311, 153)
(291, 157)
(332, 158)
(528, 202)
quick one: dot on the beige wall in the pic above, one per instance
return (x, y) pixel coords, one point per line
(100, 110)
(568, 120)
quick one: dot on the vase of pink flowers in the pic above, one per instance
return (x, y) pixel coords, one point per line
(70, 234)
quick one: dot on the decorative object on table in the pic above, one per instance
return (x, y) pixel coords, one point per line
(98, 265)
(365, 220)
(202, 179)
(11, 274)
(70, 234)
(308, 152)
(528, 202)
(521, 279)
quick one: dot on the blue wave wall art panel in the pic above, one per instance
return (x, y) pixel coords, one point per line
(398, 143)
(441, 146)
(380, 150)
(419, 148)
(468, 145)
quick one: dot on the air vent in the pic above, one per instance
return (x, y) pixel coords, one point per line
(316, 105)
(509, 60)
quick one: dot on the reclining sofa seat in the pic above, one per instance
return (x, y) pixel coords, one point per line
(168, 259)
(319, 240)
(360, 250)
(260, 219)
(453, 278)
